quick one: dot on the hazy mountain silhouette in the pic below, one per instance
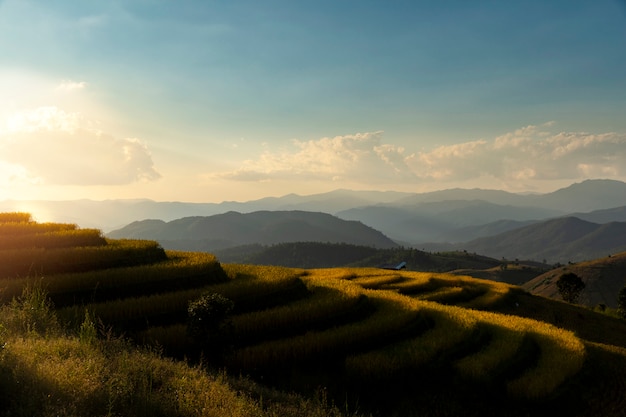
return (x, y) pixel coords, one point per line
(114, 214)
(437, 221)
(445, 216)
(556, 240)
(469, 233)
(492, 196)
(262, 227)
(586, 196)
(617, 214)
(440, 216)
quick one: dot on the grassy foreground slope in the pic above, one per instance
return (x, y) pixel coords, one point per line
(50, 369)
(379, 342)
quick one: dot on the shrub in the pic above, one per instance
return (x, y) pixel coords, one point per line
(88, 333)
(209, 324)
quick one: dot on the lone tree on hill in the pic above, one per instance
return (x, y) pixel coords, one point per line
(621, 302)
(570, 286)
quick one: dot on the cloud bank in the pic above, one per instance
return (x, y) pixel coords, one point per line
(532, 153)
(336, 158)
(49, 146)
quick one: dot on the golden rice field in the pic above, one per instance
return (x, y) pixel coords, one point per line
(353, 330)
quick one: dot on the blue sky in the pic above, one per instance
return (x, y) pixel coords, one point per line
(217, 100)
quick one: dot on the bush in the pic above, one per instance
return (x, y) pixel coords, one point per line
(209, 324)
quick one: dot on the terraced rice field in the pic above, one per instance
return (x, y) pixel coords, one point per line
(350, 329)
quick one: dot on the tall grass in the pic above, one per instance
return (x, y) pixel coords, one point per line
(15, 217)
(31, 312)
(56, 374)
(61, 376)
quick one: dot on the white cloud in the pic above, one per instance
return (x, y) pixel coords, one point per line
(532, 153)
(348, 157)
(69, 85)
(50, 146)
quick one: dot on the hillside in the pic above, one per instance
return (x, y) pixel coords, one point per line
(262, 227)
(50, 369)
(559, 240)
(327, 255)
(603, 278)
(381, 342)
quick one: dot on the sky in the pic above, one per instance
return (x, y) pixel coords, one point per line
(215, 100)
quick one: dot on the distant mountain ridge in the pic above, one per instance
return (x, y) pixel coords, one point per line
(261, 227)
(558, 240)
(437, 221)
(440, 220)
(582, 197)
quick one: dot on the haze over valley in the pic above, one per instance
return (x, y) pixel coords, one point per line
(481, 221)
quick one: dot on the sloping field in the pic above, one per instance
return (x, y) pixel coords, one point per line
(384, 342)
(603, 278)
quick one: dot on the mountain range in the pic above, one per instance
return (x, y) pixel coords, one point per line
(440, 220)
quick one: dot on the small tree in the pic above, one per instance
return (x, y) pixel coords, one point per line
(209, 324)
(570, 286)
(621, 302)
